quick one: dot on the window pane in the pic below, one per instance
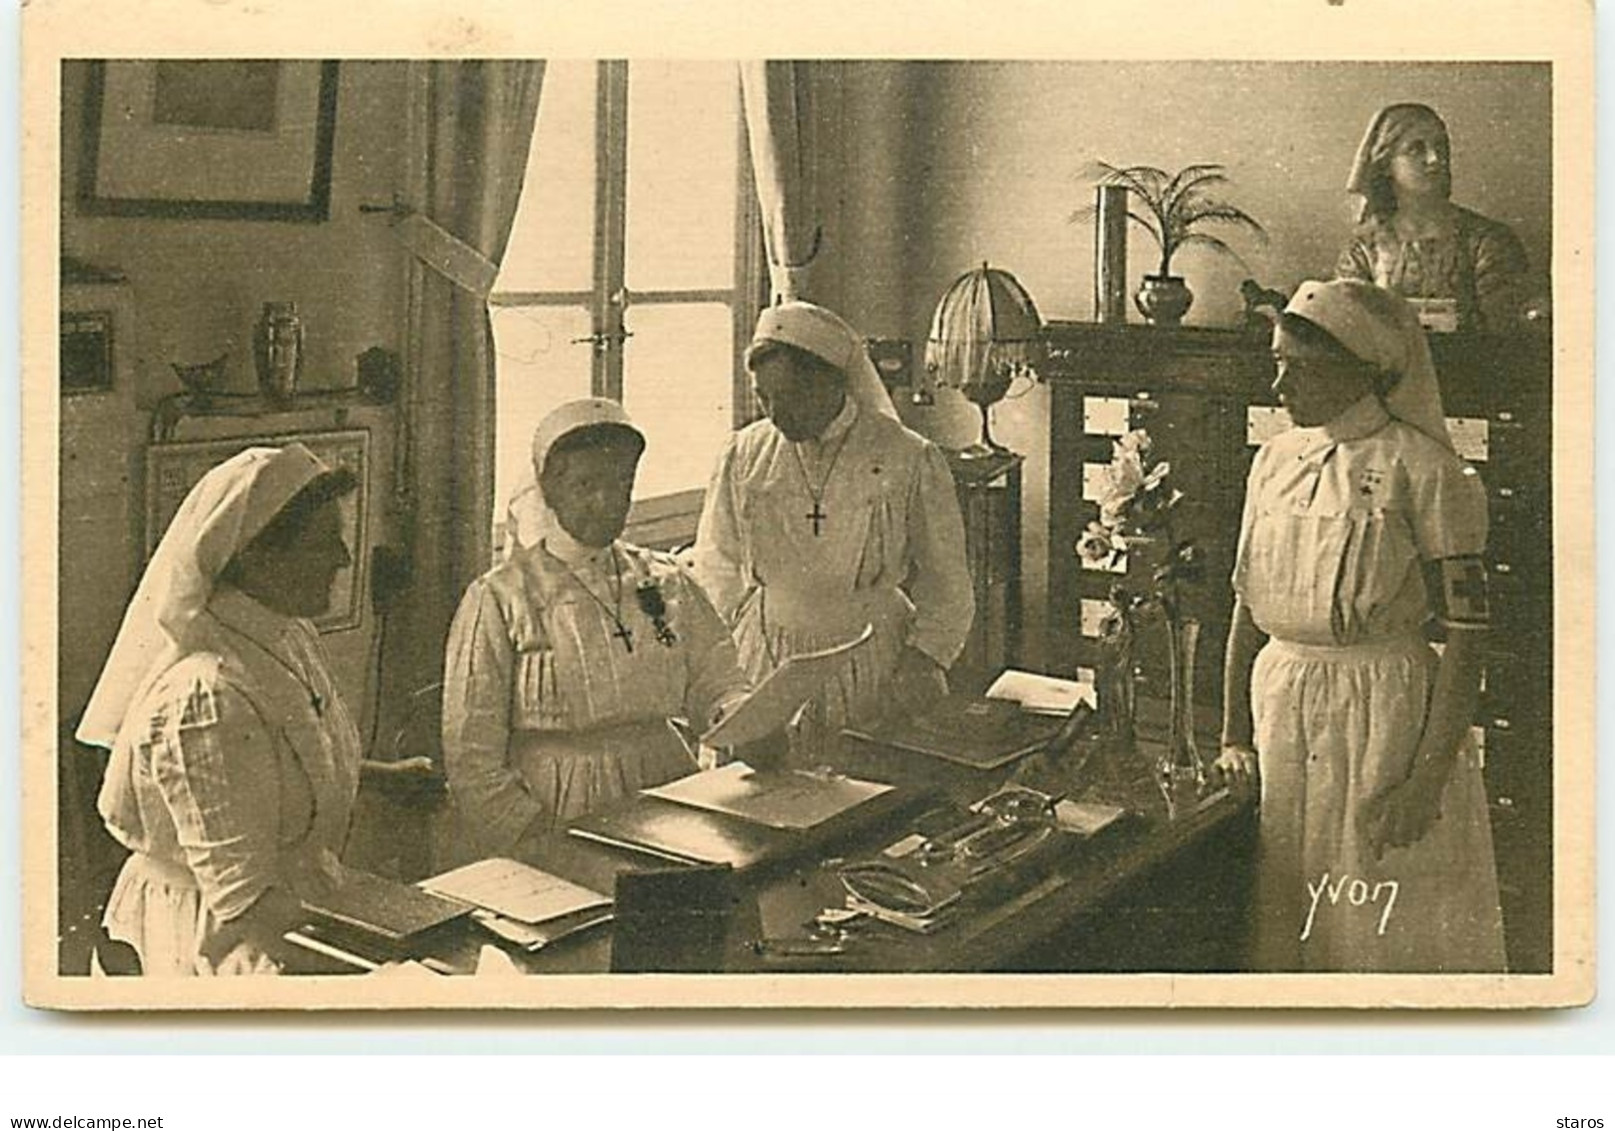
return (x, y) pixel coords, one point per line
(538, 368)
(677, 384)
(683, 148)
(552, 244)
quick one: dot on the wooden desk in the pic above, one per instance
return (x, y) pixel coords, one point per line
(1154, 893)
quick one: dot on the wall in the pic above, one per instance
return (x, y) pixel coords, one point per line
(947, 164)
(195, 289)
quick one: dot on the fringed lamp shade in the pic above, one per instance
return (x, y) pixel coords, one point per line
(985, 333)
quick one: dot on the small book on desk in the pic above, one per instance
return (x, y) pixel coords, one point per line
(981, 733)
(383, 908)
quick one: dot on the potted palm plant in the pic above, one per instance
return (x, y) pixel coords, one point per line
(1175, 209)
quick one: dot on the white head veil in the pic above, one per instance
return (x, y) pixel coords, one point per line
(1382, 329)
(223, 512)
(827, 336)
(528, 518)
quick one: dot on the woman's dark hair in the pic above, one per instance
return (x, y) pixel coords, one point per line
(1314, 338)
(1380, 200)
(292, 520)
(810, 363)
(592, 437)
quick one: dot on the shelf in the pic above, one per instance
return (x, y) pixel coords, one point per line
(173, 409)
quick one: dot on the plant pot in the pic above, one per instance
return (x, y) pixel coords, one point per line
(1163, 300)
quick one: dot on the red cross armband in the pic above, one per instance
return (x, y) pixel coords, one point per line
(1458, 592)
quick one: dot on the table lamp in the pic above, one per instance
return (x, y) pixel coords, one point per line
(985, 333)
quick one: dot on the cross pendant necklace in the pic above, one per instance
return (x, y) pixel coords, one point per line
(614, 611)
(817, 515)
(625, 634)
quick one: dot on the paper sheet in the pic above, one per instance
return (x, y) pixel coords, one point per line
(774, 701)
(1042, 694)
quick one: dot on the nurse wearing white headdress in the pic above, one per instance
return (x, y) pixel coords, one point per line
(1361, 526)
(829, 515)
(234, 762)
(566, 661)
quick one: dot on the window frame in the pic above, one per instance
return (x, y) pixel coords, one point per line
(667, 520)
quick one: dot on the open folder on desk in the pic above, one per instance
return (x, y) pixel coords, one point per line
(681, 834)
(780, 799)
(775, 701)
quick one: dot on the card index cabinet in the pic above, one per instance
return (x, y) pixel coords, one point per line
(1204, 395)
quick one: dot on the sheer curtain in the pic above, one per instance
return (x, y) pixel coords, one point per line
(779, 126)
(470, 128)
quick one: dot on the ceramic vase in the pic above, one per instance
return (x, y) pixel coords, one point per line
(1163, 300)
(278, 351)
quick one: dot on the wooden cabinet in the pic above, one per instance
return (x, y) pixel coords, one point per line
(990, 503)
(1204, 396)
(1189, 389)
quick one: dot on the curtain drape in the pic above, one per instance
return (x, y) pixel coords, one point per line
(470, 128)
(779, 126)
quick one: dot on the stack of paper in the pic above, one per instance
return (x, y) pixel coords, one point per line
(523, 904)
(1042, 694)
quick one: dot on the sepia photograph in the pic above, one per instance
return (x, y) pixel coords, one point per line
(534, 529)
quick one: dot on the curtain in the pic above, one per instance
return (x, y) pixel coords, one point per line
(470, 127)
(779, 127)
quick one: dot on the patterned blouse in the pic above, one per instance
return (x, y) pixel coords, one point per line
(1476, 261)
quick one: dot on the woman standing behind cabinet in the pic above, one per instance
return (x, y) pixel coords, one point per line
(1411, 238)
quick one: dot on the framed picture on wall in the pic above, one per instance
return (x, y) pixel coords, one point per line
(197, 139)
(172, 469)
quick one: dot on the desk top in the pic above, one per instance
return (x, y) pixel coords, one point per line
(988, 930)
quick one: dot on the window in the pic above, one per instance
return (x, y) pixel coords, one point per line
(633, 269)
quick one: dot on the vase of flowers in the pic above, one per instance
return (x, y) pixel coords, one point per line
(1175, 209)
(1137, 527)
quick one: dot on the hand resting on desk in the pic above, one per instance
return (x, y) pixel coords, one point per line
(1235, 769)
